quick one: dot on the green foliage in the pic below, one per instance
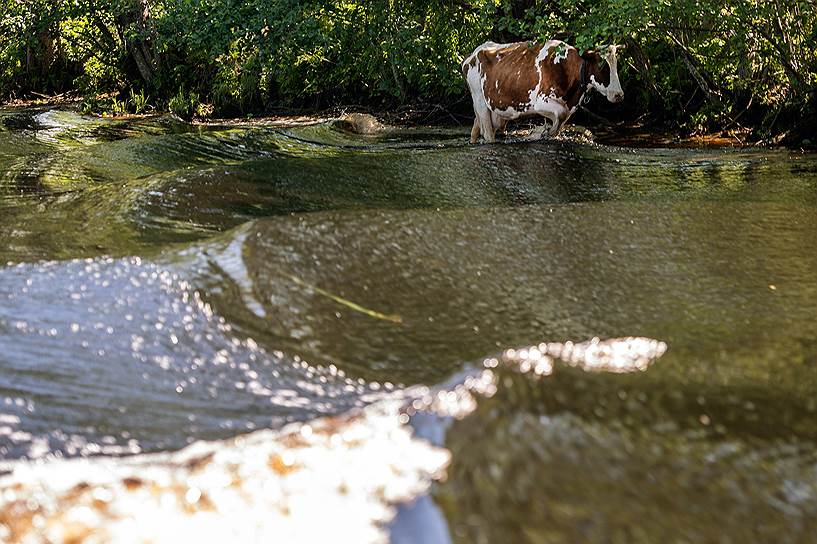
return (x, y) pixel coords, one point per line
(118, 107)
(697, 63)
(90, 104)
(183, 104)
(703, 63)
(138, 102)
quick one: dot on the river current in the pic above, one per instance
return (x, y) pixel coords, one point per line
(321, 336)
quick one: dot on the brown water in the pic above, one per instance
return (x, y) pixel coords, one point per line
(166, 282)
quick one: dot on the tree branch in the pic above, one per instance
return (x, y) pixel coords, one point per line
(705, 83)
(791, 72)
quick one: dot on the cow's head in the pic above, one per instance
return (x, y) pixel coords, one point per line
(603, 76)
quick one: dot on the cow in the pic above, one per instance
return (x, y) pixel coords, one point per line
(525, 79)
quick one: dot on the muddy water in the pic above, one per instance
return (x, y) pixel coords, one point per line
(164, 283)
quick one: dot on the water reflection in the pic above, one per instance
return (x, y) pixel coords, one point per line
(619, 469)
(155, 181)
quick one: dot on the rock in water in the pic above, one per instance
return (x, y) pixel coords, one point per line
(360, 123)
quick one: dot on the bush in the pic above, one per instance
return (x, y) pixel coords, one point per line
(184, 105)
(138, 102)
(696, 63)
(700, 62)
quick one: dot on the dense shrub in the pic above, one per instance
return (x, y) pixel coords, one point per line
(702, 64)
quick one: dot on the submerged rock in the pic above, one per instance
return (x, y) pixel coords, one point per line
(360, 123)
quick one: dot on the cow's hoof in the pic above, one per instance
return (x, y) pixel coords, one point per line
(537, 133)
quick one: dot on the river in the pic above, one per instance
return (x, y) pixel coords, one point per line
(176, 296)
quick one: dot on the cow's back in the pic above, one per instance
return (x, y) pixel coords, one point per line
(515, 74)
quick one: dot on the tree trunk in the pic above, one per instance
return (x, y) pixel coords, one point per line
(41, 56)
(133, 25)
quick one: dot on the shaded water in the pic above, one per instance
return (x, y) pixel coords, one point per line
(167, 283)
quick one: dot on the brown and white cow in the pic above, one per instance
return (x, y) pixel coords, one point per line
(524, 79)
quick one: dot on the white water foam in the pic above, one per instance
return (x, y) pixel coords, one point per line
(334, 479)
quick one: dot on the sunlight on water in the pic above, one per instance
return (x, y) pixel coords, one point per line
(138, 355)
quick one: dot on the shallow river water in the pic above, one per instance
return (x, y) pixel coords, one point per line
(163, 284)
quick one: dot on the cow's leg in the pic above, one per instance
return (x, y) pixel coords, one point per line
(555, 111)
(498, 122)
(551, 121)
(560, 116)
(536, 134)
(475, 130)
(486, 126)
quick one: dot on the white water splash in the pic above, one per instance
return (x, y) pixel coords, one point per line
(336, 479)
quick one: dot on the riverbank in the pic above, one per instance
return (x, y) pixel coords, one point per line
(689, 68)
(587, 126)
